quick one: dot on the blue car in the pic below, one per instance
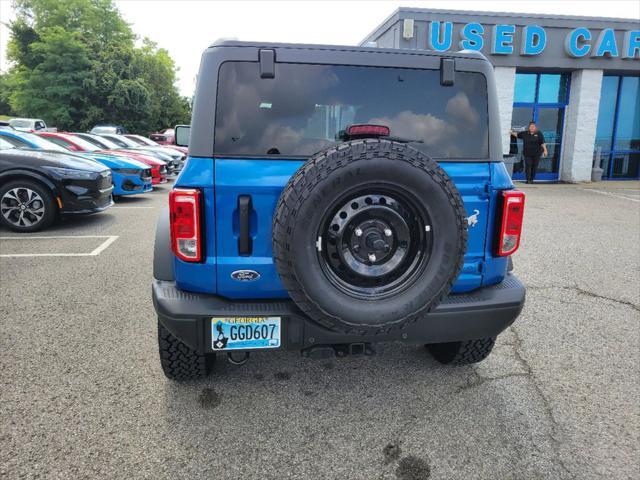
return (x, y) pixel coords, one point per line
(130, 177)
(327, 217)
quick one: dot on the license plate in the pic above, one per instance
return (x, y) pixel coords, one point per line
(234, 333)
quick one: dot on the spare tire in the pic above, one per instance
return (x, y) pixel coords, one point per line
(369, 235)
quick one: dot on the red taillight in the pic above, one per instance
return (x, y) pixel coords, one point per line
(511, 224)
(368, 130)
(184, 218)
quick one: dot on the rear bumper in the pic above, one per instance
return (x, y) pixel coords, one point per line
(479, 314)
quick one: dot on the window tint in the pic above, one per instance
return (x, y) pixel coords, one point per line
(17, 142)
(83, 144)
(628, 131)
(304, 108)
(101, 130)
(60, 142)
(525, 88)
(125, 140)
(116, 140)
(100, 142)
(41, 142)
(136, 140)
(553, 88)
(604, 130)
(20, 123)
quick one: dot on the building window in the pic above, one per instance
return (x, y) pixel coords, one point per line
(525, 88)
(618, 131)
(552, 88)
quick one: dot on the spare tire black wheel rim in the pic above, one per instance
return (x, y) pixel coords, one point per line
(374, 242)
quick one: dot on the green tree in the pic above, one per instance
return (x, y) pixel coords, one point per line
(75, 64)
(158, 72)
(5, 106)
(55, 86)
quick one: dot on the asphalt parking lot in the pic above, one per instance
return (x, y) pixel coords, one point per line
(82, 394)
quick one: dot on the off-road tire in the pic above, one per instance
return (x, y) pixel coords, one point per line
(352, 165)
(50, 207)
(180, 362)
(462, 353)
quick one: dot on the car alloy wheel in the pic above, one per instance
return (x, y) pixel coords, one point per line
(22, 207)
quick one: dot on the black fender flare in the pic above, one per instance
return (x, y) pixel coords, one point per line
(163, 258)
(22, 172)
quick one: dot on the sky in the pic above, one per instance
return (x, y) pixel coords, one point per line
(185, 28)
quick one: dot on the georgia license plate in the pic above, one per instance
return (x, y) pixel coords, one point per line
(233, 333)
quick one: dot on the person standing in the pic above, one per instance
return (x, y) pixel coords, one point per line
(533, 148)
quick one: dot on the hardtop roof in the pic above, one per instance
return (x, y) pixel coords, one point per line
(468, 54)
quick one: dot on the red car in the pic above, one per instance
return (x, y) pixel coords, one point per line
(164, 137)
(158, 167)
(143, 141)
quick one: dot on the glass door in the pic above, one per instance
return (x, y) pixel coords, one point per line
(519, 122)
(550, 122)
(541, 98)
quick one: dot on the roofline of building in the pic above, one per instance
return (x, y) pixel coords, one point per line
(400, 14)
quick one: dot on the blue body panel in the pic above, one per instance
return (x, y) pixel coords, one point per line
(224, 180)
(495, 268)
(199, 277)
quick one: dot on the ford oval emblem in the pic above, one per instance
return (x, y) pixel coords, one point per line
(245, 275)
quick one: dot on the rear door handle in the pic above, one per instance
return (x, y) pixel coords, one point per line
(244, 214)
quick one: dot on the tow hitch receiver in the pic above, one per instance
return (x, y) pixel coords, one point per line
(338, 350)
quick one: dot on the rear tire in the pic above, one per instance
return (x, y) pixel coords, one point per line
(462, 353)
(180, 362)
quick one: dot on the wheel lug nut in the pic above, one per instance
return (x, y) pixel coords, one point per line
(388, 232)
(358, 232)
(372, 257)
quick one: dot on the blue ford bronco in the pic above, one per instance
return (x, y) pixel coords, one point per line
(335, 198)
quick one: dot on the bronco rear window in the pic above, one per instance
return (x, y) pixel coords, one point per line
(302, 110)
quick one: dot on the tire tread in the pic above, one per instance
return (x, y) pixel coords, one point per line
(462, 353)
(318, 168)
(180, 362)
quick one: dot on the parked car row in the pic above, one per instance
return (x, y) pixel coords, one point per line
(45, 175)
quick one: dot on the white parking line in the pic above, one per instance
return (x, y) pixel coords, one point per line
(611, 194)
(97, 251)
(142, 208)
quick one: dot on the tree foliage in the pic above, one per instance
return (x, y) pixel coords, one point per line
(76, 63)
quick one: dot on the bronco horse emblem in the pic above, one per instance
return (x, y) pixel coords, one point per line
(473, 219)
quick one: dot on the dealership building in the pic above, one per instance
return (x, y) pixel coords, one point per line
(578, 78)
